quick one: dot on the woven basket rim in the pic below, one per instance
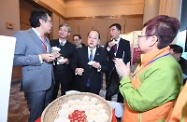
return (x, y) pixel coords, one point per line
(78, 94)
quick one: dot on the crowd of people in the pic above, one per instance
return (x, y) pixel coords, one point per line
(149, 93)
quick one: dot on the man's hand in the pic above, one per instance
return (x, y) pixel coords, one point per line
(96, 65)
(79, 71)
(56, 54)
(111, 43)
(48, 57)
(65, 60)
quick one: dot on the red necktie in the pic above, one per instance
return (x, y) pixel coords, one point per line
(43, 42)
(115, 48)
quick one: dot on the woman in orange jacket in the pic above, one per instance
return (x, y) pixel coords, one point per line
(152, 89)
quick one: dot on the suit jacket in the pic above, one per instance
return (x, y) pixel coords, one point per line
(63, 72)
(36, 76)
(81, 61)
(122, 52)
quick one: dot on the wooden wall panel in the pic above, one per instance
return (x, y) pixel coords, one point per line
(133, 24)
(102, 26)
(74, 24)
(85, 26)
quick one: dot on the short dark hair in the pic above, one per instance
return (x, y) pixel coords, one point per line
(95, 31)
(164, 27)
(118, 26)
(79, 36)
(176, 48)
(36, 15)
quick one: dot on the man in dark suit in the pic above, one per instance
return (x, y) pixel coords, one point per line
(176, 52)
(62, 70)
(33, 53)
(89, 64)
(77, 40)
(116, 48)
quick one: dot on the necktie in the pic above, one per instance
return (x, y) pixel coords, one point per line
(61, 44)
(43, 42)
(61, 47)
(90, 59)
(91, 56)
(115, 48)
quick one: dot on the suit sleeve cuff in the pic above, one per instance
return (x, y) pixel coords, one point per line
(40, 58)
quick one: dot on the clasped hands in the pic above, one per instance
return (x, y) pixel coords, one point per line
(122, 69)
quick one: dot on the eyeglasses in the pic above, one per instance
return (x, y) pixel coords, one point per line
(76, 39)
(50, 21)
(65, 30)
(141, 36)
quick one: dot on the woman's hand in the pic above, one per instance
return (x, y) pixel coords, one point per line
(122, 68)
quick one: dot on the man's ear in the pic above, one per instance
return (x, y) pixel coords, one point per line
(98, 42)
(153, 41)
(41, 21)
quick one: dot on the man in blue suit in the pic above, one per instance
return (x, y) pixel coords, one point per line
(116, 48)
(33, 53)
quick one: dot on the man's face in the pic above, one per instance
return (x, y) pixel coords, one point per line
(93, 39)
(175, 55)
(47, 26)
(76, 41)
(114, 32)
(63, 32)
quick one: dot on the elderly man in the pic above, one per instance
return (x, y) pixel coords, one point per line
(89, 64)
(62, 70)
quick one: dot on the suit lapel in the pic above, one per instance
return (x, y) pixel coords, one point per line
(97, 53)
(86, 57)
(36, 40)
(120, 46)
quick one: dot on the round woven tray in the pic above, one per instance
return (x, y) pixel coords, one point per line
(51, 111)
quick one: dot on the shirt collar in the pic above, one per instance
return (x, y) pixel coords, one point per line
(93, 50)
(145, 58)
(63, 42)
(117, 40)
(37, 33)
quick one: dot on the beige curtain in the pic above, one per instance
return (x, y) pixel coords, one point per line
(170, 8)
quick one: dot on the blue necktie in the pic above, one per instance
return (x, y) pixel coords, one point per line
(90, 59)
(91, 55)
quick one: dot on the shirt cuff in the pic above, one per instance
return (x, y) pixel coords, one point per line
(108, 48)
(99, 69)
(40, 58)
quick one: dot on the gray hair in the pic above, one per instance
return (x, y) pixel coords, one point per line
(64, 24)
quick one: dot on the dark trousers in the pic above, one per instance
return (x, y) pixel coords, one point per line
(88, 89)
(37, 101)
(119, 98)
(64, 88)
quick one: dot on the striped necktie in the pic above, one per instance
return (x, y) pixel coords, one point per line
(43, 42)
